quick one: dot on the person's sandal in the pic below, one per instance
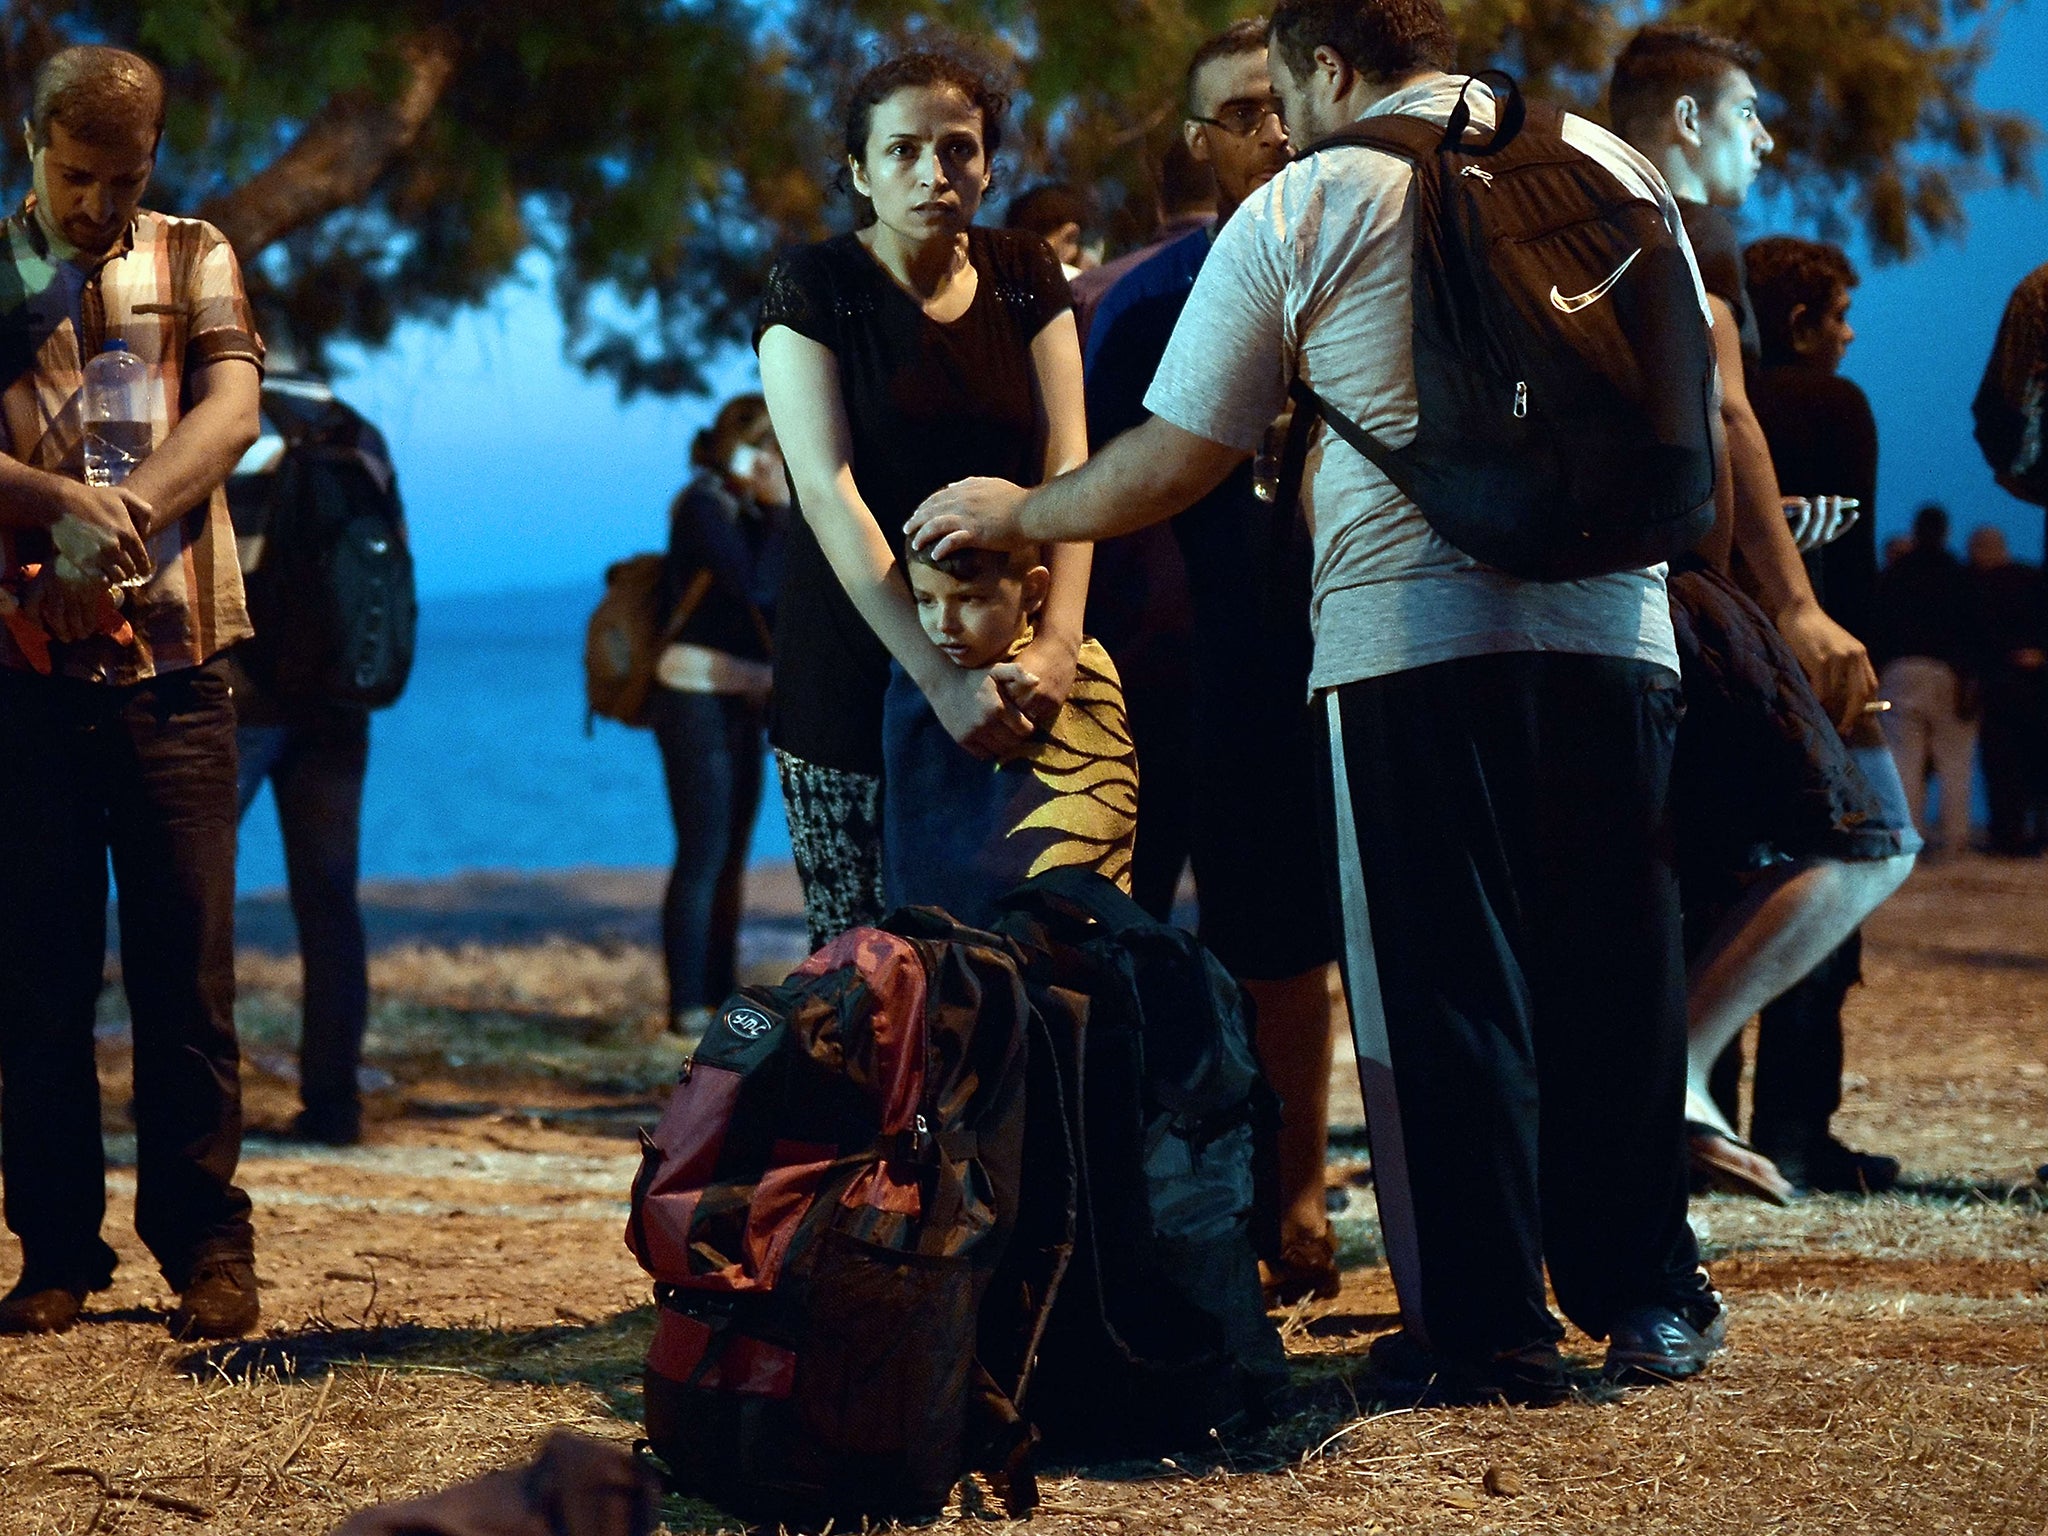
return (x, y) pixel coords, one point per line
(1305, 1270)
(1732, 1166)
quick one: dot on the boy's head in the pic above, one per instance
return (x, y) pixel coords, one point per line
(976, 605)
(1800, 292)
(1686, 98)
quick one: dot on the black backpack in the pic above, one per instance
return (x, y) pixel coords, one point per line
(331, 597)
(1564, 370)
(2011, 405)
(823, 1207)
(1158, 1333)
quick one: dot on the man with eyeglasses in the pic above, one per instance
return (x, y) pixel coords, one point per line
(1257, 857)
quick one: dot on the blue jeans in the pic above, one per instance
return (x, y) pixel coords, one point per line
(315, 768)
(711, 751)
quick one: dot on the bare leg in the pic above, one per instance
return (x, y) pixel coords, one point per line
(1784, 926)
(1298, 1020)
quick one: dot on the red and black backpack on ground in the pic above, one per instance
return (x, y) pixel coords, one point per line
(823, 1207)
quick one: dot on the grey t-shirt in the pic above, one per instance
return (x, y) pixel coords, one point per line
(1313, 275)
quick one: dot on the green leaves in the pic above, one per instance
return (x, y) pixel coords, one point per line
(662, 151)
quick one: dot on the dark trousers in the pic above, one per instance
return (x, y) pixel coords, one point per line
(146, 773)
(1162, 727)
(1798, 1084)
(2012, 738)
(315, 768)
(1512, 959)
(711, 751)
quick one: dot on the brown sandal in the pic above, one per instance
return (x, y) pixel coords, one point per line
(1732, 1166)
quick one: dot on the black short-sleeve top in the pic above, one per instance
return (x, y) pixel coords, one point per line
(927, 404)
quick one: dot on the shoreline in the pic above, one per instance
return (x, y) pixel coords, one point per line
(590, 904)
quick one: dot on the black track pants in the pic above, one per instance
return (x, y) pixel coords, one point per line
(1512, 958)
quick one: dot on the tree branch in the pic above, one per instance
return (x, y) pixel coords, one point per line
(344, 149)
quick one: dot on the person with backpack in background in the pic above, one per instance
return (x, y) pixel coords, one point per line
(1785, 843)
(2011, 408)
(1498, 745)
(320, 530)
(1255, 846)
(727, 531)
(120, 748)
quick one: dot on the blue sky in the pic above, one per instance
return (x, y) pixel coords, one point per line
(519, 472)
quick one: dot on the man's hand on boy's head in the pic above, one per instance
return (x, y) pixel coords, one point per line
(978, 513)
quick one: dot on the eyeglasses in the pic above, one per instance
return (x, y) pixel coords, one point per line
(1242, 119)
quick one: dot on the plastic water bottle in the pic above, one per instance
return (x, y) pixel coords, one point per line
(117, 428)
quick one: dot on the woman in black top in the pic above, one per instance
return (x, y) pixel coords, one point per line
(895, 360)
(727, 532)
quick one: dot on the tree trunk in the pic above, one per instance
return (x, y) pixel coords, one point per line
(347, 145)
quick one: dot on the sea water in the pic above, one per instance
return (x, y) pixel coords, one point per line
(483, 764)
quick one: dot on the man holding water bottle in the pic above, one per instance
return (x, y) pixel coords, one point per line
(117, 561)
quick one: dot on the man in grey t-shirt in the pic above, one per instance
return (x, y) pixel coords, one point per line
(1498, 754)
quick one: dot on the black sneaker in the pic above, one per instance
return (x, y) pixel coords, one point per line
(1830, 1168)
(218, 1301)
(1533, 1376)
(1651, 1344)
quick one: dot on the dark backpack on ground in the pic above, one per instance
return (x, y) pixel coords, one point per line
(1564, 370)
(823, 1206)
(1158, 1331)
(331, 597)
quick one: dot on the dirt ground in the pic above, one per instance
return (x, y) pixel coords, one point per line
(438, 1299)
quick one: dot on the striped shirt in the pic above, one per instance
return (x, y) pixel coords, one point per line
(172, 291)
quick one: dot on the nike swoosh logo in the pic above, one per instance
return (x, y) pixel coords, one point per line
(1592, 296)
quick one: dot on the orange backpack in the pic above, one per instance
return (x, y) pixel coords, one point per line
(626, 637)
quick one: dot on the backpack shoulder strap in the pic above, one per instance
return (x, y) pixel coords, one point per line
(1395, 133)
(1419, 142)
(686, 607)
(1077, 888)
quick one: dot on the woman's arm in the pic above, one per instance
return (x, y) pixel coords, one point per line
(800, 381)
(1063, 418)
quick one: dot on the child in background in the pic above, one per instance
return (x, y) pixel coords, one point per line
(958, 832)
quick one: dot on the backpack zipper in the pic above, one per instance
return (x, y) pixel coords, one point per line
(1521, 398)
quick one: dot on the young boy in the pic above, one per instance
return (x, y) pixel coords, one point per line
(958, 832)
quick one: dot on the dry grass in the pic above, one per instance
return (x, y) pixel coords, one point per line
(438, 1300)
